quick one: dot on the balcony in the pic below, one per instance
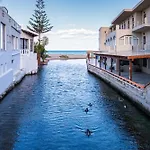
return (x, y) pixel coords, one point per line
(142, 27)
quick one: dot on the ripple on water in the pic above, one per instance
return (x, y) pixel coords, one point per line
(49, 114)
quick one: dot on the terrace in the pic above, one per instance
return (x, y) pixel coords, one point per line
(111, 64)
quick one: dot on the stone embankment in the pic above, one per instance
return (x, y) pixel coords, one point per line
(138, 95)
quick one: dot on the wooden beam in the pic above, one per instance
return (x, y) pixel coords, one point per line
(130, 70)
(139, 56)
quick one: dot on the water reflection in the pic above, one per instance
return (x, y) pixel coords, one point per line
(47, 112)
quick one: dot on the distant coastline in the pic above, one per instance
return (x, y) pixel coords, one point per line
(66, 52)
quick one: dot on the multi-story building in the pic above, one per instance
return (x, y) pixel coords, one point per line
(9, 49)
(130, 30)
(129, 33)
(28, 58)
(123, 59)
(16, 52)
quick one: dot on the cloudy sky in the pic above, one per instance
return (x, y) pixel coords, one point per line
(76, 22)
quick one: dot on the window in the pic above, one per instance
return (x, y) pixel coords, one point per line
(13, 42)
(132, 22)
(128, 23)
(16, 45)
(124, 24)
(144, 17)
(130, 40)
(145, 62)
(144, 38)
(31, 44)
(21, 43)
(24, 43)
(126, 40)
(3, 36)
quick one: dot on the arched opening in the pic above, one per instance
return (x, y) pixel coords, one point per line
(129, 40)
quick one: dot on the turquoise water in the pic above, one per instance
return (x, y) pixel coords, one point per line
(67, 52)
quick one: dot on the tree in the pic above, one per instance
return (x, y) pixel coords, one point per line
(45, 41)
(39, 23)
(40, 48)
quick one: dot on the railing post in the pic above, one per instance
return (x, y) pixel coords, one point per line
(100, 62)
(105, 62)
(130, 70)
(111, 65)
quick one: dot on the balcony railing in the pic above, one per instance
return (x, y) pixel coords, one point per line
(25, 52)
(140, 47)
(141, 27)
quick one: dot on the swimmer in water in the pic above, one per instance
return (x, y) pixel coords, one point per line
(86, 110)
(88, 132)
(90, 104)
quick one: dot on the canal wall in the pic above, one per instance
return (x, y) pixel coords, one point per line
(140, 96)
(10, 81)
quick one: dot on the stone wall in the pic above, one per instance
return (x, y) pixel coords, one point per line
(138, 95)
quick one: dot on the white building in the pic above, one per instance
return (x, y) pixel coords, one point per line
(28, 58)
(14, 63)
(9, 49)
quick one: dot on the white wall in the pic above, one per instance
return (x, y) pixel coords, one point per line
(11, 52)
(16, 62)
(29, 63)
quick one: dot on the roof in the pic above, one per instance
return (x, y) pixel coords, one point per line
(143, 4)
(29, 33)
(126, 54)
(122, 16)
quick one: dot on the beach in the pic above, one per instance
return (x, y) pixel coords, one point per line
(63, 55)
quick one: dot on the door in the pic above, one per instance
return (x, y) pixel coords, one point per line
(144, 41)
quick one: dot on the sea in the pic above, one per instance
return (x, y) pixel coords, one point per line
(67, 52)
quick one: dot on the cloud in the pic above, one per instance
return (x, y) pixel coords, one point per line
(73, 39)
(74, 33)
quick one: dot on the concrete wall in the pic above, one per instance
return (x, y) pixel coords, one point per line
(137, 95)
(29, 63)
(6, 80)
(103, 32)
(16, 62)
(10, 56)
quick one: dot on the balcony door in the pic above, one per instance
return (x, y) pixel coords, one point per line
(144, 18)
(144, 41)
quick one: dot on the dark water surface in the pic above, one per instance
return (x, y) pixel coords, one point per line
(46, 112)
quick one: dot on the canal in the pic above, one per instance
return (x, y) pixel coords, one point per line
(47, 112)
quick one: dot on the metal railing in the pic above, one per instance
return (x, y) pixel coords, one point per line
(25, 51)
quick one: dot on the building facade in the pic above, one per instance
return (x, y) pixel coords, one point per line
(130, 31)
(9, 49)
(16, 52)
(29, 61)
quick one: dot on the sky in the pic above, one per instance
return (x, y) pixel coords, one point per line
(76, 22)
